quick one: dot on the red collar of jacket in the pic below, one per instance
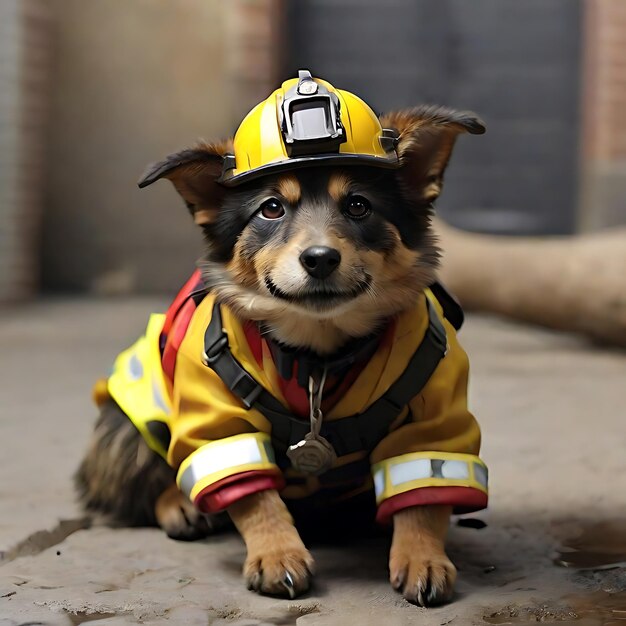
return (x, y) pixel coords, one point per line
(337, 384)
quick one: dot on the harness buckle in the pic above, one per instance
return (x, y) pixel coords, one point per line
(246, 389)
(215, 350)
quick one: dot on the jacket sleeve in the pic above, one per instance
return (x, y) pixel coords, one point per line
(433, 459)
(221, 450)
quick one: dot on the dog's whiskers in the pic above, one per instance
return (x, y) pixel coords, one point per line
(267, 330)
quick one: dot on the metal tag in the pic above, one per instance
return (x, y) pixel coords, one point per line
(312, 455)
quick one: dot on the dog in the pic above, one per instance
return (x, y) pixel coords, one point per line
(312, 360)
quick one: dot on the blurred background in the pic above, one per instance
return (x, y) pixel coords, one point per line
(90, 92)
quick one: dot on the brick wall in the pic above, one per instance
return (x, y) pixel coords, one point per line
(603, 154)
(605, 81)
(24, 57)
(256, 39)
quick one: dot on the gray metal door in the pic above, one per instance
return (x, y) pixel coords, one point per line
(514, 62)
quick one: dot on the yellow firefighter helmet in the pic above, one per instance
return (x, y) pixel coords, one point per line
(308, 122)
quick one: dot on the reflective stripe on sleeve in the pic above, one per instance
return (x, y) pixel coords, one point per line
(428, 469)
(218, 459)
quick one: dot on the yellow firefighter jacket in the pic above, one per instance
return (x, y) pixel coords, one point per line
(427, 455)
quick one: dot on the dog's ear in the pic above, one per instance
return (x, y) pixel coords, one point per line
(426, 136)
(194, 172)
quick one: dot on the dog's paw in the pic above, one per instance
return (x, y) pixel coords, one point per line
(181, 520)
(285, 571)
(423, 579)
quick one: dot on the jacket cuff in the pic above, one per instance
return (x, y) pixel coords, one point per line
(421, 478)
(227, 491)
(462, 499)
(224, 458)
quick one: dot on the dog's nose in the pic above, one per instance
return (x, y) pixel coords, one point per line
(320, 261)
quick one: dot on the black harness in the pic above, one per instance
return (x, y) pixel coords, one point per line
(355, 433)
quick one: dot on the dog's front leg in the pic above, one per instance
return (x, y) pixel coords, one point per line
(418, 564)
(277, 561)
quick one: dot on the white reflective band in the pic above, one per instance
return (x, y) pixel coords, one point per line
(222, 458)
(411, 470)
(379, 481)
(455, 469)
(428, 469)
(481, 474)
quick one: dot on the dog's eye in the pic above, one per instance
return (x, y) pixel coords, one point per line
(272, 209)
(357, 207)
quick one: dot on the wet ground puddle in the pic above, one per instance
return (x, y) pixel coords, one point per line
(598, 546)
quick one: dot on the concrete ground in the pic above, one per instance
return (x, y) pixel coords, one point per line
(554, 424)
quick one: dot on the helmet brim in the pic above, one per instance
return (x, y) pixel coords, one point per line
(228, 179)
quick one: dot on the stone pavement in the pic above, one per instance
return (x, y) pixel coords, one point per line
(553, 415)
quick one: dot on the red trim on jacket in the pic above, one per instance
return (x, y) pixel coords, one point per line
(175, 338)
(223, 493)
(255, 342)
(296, 396)
(179, 300)
(463, 499)
(177, 319)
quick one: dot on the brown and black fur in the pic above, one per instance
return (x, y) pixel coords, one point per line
(387, 257)
(127, 484)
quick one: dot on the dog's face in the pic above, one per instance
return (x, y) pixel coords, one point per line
(320, 242)
(323, 243)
